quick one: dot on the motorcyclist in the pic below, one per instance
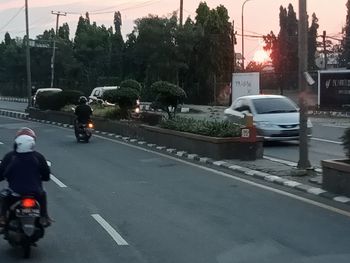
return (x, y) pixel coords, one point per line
(24, 169)
(83, 112)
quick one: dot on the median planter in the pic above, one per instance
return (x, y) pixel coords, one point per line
(336, 176)
(216, 148)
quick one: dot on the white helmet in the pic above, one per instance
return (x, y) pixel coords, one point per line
(25, 140)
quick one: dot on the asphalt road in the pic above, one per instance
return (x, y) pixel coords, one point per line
(162, 210)
(325, 143)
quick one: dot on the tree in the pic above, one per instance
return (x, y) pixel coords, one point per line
(213, 50)
(116, 48)
(92, 49)
(63, 32)
(125, 96)
(12, 67)
(284, 49)
(345, 56)
(312, 42)
(167, 96)
(144, 61)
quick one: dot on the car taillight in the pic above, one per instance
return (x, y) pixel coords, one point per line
(90, 125)
(28, 202)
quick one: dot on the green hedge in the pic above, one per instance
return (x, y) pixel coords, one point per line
(132, 84)
(203, 127)
(56, 101)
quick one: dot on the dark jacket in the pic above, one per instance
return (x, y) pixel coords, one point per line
(83, 113)
(24, 172)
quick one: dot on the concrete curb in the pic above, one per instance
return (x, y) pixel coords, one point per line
(13, 99)
(14, 114)
(204, 160)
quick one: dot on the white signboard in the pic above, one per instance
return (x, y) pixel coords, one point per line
(244, 84)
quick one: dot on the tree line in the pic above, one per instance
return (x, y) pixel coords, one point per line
(195, 56)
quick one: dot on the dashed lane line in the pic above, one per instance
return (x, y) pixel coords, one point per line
(58, 182)
(324, 140)
(110, 230)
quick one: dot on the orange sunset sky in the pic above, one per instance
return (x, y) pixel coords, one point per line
(260, 16)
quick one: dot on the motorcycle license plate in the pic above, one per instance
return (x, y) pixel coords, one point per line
(33, 212)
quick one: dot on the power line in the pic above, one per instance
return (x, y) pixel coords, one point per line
(12, 18)
(252, 36)
(107, 8)
(144, 4)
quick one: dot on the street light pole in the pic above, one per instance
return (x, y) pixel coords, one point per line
(243, 31)
(29, 74)
(304, 162)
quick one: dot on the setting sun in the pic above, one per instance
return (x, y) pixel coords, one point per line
(261, 56)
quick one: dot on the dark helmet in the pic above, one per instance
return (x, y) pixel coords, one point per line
(82, 100)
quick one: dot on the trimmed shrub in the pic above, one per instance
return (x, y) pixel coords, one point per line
(56, 101)
(167, 95)
(132, 84)
(125, 97)
(203, 127)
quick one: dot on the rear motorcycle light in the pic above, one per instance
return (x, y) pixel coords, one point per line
(90, 125)
(28, 202)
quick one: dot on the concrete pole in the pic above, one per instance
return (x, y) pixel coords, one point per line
(58, 14)
(325, 49)
(304, 162)
(29, 74)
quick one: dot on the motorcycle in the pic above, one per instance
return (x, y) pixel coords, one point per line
(23, 227)
(83, 131)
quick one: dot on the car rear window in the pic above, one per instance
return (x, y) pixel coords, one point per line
(274, 105)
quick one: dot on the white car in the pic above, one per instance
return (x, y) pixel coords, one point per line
(97, 95)
(275, 117)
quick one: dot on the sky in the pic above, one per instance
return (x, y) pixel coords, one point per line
(260, 16)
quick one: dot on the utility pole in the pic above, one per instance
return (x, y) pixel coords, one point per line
(58, 14)
(181, 11)
(29, 74)
(324, 49)
(304, 162)
(233, 62)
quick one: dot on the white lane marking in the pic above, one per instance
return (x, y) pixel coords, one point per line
(110, 230)
(324, 140)
(334, 126)
(268, 188)
(58, 182)
(1, 143)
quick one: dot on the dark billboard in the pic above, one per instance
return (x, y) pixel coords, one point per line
(334, 89)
